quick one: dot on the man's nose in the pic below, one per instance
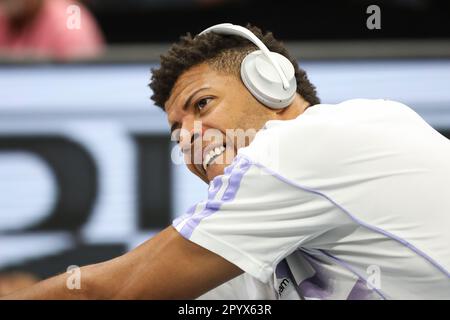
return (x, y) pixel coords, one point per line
(188, 138)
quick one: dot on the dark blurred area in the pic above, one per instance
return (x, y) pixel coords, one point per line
(164, 20)
(69, 30)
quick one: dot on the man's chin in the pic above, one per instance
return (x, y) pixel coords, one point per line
(217, 167)
(215, 170)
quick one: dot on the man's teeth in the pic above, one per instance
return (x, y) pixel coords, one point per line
(211, 155)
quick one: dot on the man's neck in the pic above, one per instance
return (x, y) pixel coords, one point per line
(298, 106)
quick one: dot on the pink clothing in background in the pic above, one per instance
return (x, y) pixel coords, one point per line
(47, 35)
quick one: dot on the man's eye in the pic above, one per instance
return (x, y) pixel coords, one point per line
(200, 104)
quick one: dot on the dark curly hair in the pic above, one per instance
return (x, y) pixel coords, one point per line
(223, 53)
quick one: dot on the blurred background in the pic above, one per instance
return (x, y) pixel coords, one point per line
(86, 170)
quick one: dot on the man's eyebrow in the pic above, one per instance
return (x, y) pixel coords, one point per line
(188, 101)
(176, 125)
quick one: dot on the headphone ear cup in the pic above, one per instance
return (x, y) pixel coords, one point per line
(262, 80)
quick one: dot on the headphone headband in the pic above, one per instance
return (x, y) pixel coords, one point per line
(231, 29)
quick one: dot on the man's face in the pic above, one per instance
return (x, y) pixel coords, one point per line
(209, 106)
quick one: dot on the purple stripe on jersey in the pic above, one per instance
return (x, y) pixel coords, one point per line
(348, 267)
(320, 285)
(360, 291)
(190, 211)
(215, 186)
(317, 287)
(282, 270)
(234, 173)
(351, 216)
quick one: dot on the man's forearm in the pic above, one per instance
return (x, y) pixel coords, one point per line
(104, 280)
(164, 267)
(58, 288)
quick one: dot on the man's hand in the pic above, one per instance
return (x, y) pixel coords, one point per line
(165, 267)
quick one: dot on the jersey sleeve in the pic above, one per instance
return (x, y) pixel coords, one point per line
(254, 218)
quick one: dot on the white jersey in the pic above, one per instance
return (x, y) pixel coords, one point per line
(347, 201)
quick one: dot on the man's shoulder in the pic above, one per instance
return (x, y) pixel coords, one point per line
(326, 135)
(326, 119)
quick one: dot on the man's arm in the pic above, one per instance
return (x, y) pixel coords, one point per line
(165, 267)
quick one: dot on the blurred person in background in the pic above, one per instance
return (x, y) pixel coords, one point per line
(45, 29)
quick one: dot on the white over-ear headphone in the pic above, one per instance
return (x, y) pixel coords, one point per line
(269, 76)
